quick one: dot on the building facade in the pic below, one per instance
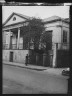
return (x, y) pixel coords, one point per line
(59, 28)
(13, 47)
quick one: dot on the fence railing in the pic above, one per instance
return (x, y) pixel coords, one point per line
(61, 46)
(13, 46)
(5, 46)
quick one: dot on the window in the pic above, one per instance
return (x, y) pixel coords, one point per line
(14, 18)
(64, 36)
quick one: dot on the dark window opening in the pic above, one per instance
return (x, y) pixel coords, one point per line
(64, 36)
(14, 18)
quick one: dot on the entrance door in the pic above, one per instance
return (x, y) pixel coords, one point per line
(11, 56)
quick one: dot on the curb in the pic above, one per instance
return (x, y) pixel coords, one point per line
(66, 77)
(26, 67)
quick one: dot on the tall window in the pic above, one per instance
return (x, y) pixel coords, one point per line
(64, 36)
(21, 43)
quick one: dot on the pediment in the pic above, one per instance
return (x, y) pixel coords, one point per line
(14, 19)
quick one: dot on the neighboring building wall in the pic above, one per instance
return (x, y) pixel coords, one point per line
(56, 33)
(18, 55)
(57, 37)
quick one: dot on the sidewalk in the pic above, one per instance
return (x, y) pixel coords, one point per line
(55, 71)
(34, 67)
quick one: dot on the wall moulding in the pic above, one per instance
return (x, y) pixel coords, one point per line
(11, 27)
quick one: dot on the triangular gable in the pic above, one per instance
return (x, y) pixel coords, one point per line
(14, 18)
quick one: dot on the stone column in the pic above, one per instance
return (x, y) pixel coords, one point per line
(18, 38)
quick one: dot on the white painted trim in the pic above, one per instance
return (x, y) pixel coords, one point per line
(11, 27)
(18, 38)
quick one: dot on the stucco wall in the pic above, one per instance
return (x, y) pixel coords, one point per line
(18, 55)
(65, 46)
(5, 55)
(56, 35)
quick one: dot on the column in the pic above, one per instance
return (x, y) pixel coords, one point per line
(18, 38)
(10, 43)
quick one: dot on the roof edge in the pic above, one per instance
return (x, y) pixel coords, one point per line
(11, 16)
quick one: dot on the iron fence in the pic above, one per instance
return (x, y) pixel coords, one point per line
(14, 46)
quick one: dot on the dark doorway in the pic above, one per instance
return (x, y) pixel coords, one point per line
(11, 56)
(48, 40)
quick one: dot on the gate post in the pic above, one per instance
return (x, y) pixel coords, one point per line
(37, 58)
(51, 57)
(44, 58)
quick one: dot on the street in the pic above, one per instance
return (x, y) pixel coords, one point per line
(18, 80)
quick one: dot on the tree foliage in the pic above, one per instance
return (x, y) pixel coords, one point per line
(46, 39)
(33, 31)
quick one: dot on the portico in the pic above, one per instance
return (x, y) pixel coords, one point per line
(13, 38)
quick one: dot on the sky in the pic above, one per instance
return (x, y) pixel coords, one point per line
(42, 12)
